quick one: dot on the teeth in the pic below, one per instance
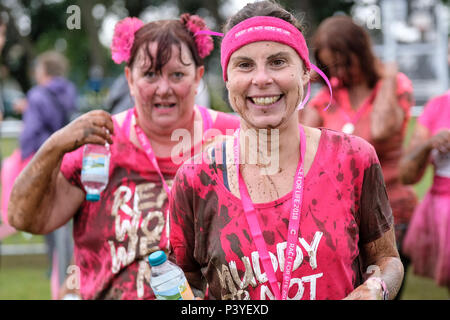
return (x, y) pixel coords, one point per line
(266, 101)
(164, 106)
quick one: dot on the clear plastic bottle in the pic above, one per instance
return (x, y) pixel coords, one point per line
(168, 281)
(95, 170)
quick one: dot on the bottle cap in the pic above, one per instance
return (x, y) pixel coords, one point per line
(157, 258)
(92, 197)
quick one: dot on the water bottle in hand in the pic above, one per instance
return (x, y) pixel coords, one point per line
(168, 281)
(95, 170)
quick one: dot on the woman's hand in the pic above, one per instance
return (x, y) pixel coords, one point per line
(371, 289)
(441, 141)
(94, 127)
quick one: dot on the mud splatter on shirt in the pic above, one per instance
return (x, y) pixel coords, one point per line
(345, 205)
(114, 236)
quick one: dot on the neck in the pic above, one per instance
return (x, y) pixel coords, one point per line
(274, 149)
(163, 136)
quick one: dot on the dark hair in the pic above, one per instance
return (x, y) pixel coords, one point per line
(165, 33)
(262, 8)
(341, 35)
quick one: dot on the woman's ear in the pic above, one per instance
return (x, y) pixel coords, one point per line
(129, 77)
(199, 73)
(306, 77)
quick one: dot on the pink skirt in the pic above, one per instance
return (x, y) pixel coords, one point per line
(427, 242)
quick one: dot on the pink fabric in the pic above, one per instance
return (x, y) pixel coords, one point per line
(436, 114)
(54, 278)
(428, 238)
(204, 43)
(262, 29)
(211, 238)
(11, 168)
(402, 197)
(123, 39)
(114, 236)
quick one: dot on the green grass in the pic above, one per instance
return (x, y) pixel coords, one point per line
(24, 278)
(420, 288)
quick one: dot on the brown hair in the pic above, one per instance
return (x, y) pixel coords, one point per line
(165, 33)
(54, 63)
(262, 8)
(341, 35)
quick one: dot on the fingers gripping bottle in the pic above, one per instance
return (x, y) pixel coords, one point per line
(168, 281)
(95, 170)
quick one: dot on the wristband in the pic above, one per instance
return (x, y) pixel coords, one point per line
(384, 290)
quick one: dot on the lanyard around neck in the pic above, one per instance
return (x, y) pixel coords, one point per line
(294, 221)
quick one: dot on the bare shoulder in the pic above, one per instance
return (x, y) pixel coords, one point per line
(312, 145)
(120, 117)
(312, 137)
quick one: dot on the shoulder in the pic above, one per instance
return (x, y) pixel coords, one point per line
(36, 94)
(342, 146)
(403, 83)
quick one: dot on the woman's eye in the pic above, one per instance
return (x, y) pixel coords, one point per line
(178, 75)
(244, 65)
(150, 74)
(278, 62)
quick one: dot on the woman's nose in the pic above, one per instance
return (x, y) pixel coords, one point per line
(262, 78)
(163, 87)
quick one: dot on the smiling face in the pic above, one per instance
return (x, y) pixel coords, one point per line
(164, 100)
(265, 83)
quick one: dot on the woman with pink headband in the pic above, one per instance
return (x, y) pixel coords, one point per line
(281, 210)
(114, 236)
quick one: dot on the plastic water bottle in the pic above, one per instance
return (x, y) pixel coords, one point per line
(95, 171)
(168, 281)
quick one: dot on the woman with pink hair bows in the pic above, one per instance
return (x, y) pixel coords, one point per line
(287, 211)
(114, 236)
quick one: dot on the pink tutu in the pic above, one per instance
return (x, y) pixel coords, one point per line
(427, 242)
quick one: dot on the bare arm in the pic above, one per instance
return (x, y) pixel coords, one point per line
(381, 259)
(416, 159)
(42, 199)
(387, 116)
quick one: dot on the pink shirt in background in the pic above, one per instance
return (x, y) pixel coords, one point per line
(389, 151)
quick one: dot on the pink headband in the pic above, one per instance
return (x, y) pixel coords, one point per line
(266, 28)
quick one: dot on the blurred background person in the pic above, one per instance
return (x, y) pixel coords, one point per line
(370, 100)
(428, 237)
(49, 104)
(47, 108)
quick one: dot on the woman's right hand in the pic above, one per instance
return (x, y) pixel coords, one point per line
(441, 141)
(94, 127)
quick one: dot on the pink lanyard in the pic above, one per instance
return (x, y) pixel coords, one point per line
(145, 143)
(294, 221)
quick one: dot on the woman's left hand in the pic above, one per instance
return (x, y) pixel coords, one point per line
(370, 290)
